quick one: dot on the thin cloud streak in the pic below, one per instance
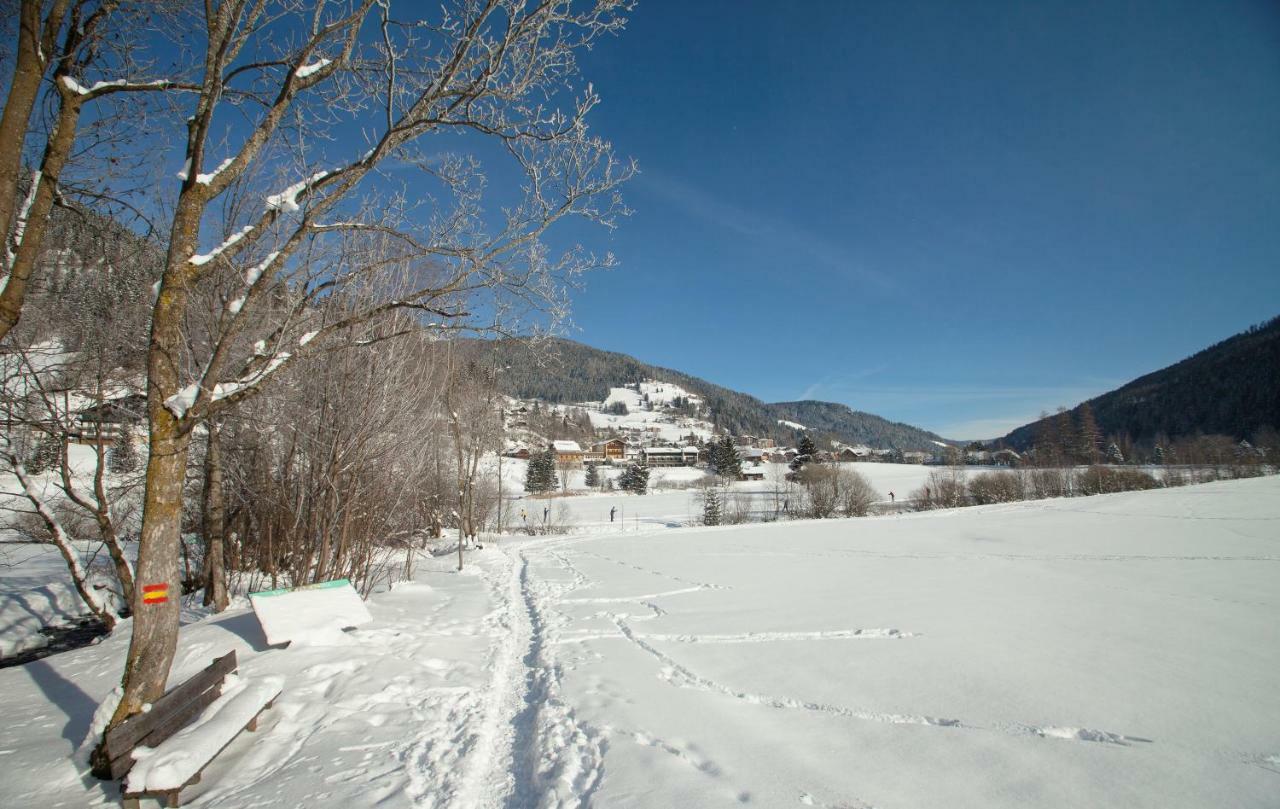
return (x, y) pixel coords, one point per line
(767, 230)
(1067, 396)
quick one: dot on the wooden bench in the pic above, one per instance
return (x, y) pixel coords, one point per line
(162, 751)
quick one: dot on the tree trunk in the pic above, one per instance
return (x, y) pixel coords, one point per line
(24, 87)
(155, 624)
(214, 508)
(23, 229)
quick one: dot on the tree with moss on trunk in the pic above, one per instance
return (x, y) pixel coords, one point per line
(293, 225)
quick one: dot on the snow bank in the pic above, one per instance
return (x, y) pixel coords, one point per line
(315, 614)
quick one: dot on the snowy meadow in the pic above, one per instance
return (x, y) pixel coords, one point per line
(1115, 650)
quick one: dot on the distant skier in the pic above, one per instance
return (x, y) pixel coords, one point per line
(891, 498)
(612, 512)
(546, 512)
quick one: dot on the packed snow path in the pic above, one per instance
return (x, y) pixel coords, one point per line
(1116, 650)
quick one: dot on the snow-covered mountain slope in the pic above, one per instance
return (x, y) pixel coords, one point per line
(1106, 651)
(565, 371)
(653, 409)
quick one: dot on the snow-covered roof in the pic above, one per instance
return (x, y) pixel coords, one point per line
(566, 446)
(664, 450)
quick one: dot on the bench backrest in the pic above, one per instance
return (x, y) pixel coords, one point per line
(168, 715)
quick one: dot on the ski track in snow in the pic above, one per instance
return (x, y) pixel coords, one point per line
(699, 585)
(562, 759)
(681, 676)
(533, 752)
(743, 637)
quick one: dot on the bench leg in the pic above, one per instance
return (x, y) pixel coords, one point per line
(171, 798)
(253, 723)
(130, 803)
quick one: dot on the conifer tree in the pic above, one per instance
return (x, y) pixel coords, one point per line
(725, 459)
(121, 457)
(1089, 436)
(635, 479)
(593, 476)
(807, 450)
(807, 447)
(541, 476)
(711, 507)
(46, 455)
(1063, 430)
(1114, 455)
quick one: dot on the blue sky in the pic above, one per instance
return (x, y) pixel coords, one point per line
(954, 215)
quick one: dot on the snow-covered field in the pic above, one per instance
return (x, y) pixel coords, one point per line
(1108, 651)
(672, 499)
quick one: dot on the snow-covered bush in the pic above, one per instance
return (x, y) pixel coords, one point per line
(1105, 479)
(943, 489)
(996, 487)
(856, 493)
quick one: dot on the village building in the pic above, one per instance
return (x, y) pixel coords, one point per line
(108, 421)
(517, 417)
(1006, 457)
(567, 452)
(614, 449)
(670, 456)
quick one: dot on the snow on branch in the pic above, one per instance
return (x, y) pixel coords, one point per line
(116, 84)
(182, 401)
(306, 70)
(201, 259)
(205, 179)
(255, 272)
(287, 200)
(20, 225)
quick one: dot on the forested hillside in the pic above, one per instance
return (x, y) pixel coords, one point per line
(557, 370)
(1231, 388)
(854, 426)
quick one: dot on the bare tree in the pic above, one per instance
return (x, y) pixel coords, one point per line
(471, 398)
(494, 69)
